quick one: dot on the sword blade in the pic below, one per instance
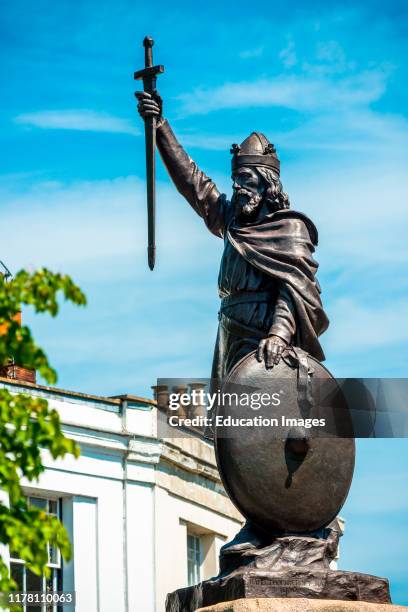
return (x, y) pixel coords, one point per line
(150, 136)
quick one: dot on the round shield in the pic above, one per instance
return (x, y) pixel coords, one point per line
(284, 443)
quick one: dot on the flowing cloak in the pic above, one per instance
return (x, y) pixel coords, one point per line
(282, 246)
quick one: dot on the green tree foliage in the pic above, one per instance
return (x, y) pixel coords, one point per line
(28, 424)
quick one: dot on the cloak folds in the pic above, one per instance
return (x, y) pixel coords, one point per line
(282, 246)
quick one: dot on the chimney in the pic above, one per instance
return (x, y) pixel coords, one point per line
(183, 411)
(199, 409)
(12, 370)
(161, 395)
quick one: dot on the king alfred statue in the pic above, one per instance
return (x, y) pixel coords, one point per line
(289, 487)
(270, 297)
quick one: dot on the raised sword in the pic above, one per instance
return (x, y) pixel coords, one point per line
(149, 76)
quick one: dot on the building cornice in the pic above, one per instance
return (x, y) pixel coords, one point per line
(115, 400)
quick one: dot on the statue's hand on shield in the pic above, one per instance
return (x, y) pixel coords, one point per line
(150, 105)
(270, 350)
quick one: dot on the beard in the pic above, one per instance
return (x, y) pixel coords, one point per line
(246, 203)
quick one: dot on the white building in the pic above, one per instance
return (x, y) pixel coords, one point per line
(145, 515)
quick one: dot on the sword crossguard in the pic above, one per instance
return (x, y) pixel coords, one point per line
(149, 72)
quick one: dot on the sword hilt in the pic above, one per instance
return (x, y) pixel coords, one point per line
(148, 43)
(149, 72)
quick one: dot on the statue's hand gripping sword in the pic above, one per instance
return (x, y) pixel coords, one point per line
(149, 75)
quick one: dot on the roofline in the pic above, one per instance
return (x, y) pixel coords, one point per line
(133, 398)
(113, 400)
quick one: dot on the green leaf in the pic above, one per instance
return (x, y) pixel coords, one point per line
(28, 424)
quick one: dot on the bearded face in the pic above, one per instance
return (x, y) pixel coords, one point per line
(248, 191)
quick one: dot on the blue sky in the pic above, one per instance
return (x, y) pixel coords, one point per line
(326, 82)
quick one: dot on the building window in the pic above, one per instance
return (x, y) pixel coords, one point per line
(26, 580)
(193, 559)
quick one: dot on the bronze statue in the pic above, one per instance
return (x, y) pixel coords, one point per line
(270, 297)
(290, 489)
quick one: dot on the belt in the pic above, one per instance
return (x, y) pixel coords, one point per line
(246, 297)
(239, 329)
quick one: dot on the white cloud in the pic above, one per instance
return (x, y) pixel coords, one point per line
(360, 211)
(300, 93)
(86, 225)
(358, 131)
(77, 119)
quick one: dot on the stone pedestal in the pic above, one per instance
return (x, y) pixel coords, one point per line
(291, 567)
(297, 583)
(300, 605)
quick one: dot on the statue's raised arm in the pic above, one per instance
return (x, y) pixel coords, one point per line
(198, 189)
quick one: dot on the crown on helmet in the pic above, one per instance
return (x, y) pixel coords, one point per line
(256, 150)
